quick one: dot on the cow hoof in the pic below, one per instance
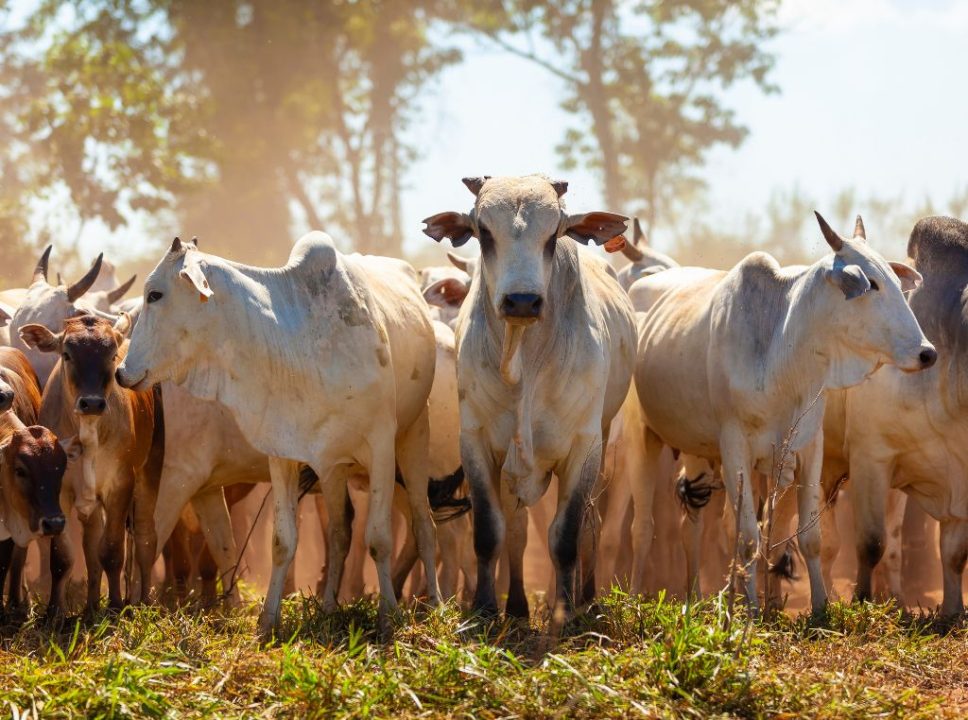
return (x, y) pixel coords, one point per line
(517, 607)
(488, 610)
(266, 630)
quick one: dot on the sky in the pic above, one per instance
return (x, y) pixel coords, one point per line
(873, 95)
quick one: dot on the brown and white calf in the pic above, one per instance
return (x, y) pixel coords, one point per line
(32, 464)
(121, 432)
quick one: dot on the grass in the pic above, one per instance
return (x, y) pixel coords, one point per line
(624, 658)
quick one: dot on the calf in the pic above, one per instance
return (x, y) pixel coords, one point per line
(121, 434)
(32, 464)
(730, 362)
(545, 349)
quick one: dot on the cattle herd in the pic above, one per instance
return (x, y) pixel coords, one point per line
(453, 398)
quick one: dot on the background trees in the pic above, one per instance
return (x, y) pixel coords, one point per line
(248, 121)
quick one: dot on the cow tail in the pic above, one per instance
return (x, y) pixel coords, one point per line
(444, 501)
(694, 495)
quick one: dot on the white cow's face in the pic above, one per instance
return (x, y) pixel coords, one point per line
(518, 221)
(171, 330)
(877, 321)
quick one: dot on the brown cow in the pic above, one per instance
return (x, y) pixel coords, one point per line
(32, 464)
(122, 435)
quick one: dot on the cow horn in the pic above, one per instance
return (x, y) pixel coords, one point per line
(631, 249)
(84, 284)
(834, 240)
(176, 245)
(474, 184)
(195, 240)
(40, 272)
(121, 290)
(859, 231)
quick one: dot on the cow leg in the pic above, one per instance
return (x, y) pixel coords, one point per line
(353, 581)
(515, 542)
(178, 568)
(489, 526)
(16, 600)
(216, 522)
(808, 509)
(870, 482)
(61, 561)
(339, 530)
(614, 544)
(829, 531)
(408, 555)
(381, 465)
(411, 456)
(647, 456)
(6, 557)
(285, 496)
(887, 574)
(208, 572)
(954, 551)
(93, 532)
(738, 479)
(111, 549)
(145, 538)
(576, 481)
(450, 539)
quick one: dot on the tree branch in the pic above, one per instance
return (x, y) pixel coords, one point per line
(524, 54)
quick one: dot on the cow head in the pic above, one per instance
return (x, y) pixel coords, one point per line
(518, 222)
(171, 331)
(877, 324)
(49, 305)
(32, 465)
(88, 347)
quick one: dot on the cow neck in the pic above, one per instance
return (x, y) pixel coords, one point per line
(539, 343)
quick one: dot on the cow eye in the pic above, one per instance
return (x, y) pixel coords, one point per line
(551, 244)
(66, 357)
(155, 296)
(874, 285)
(20, 473)
(486, 239)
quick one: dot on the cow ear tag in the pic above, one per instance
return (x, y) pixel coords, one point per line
(615, 244)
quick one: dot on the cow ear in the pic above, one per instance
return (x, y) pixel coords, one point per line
(122, 325)
(448, 292)
(4, 318)
(453, 225)
(192, 272)
(909, 277)
(37, 336)
(598, 226)
(850, 279)
(73, 447)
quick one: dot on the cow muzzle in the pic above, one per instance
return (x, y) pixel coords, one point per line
(521, 306)
(52, 525)
(90, 405)
(6, 400)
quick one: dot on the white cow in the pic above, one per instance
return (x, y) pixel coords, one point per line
(729, 362)
(911, 431)
(544, 358)
(645, 259)
(327, 361)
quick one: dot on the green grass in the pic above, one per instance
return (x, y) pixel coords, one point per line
(624, 658)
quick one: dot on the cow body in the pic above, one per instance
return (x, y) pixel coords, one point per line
(327, 362)
(911, 431)
(732, 367)
(121, 434)
(32, 465)
(544, 357)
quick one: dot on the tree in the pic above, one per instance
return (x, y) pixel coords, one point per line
(249, 119)
(642, 82)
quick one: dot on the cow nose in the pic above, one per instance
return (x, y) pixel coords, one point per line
(521, 305)
(928, 357)
(6, 401)
(52, 525)
(91, 405)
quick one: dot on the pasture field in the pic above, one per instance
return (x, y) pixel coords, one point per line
(625, 658)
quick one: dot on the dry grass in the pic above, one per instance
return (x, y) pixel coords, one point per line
(624, 658)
